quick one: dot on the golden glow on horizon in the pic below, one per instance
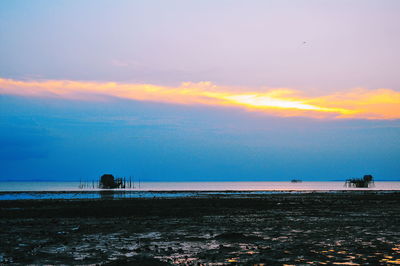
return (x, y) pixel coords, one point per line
(262, 101)
(355, 103)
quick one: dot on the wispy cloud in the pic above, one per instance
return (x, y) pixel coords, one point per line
(354, 103)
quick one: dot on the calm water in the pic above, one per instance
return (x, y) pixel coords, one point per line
(71, 190)
(199, 186)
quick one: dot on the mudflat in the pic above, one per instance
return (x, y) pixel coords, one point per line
(347, 228)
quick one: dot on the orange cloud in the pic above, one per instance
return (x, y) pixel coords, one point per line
(356, 103)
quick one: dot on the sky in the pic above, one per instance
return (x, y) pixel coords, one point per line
(199, 90)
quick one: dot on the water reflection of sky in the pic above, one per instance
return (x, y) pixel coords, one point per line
(120, 194)
(91, 195)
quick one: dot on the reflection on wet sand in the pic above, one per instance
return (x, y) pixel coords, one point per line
(106, 194)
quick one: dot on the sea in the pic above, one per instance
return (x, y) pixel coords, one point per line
(78, 190)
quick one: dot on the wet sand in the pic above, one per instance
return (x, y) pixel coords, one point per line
(293, 229)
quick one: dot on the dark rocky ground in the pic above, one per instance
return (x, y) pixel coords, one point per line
(281, 229)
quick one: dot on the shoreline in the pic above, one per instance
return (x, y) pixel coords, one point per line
(133, 194)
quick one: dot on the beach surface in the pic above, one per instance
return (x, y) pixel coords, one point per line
(346, 228)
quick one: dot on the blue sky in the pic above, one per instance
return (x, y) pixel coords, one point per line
(68, 140)
(338, 60)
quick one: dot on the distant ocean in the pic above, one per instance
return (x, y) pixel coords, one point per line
(197, 186)
(71, 190)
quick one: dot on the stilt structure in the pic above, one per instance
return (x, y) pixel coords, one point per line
(364, 182)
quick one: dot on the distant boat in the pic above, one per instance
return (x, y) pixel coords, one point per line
(296, 181)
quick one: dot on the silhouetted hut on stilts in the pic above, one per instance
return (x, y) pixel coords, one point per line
(366, 181)
(108, 181)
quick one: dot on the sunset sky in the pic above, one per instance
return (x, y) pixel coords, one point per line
(200, 90)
